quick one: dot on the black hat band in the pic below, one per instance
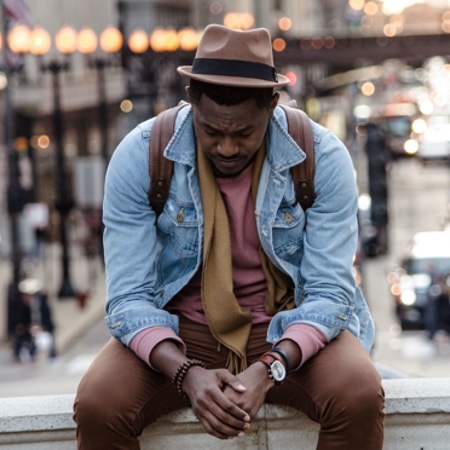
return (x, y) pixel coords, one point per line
(234, 68)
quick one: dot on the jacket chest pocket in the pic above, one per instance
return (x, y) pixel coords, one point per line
(288, 231)
(178, 229)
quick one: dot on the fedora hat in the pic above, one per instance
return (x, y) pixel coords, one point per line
(238, 58)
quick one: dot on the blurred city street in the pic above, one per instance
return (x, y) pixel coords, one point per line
(75, 81)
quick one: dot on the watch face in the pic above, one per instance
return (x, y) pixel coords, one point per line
(278, 371)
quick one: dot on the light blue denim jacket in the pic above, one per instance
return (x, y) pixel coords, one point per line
(146, 265)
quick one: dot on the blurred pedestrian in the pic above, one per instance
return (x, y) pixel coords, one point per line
(34, 320)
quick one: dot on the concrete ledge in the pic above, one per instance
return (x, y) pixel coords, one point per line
(418, 416)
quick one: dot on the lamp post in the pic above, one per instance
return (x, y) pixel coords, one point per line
(65, 41)
(17, 43)
(111, 41)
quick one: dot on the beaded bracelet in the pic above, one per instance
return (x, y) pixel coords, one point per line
(181, 372)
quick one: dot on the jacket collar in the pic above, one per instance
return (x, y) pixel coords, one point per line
(282, 151)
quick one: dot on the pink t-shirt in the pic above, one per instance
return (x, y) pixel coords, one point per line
(248, 278)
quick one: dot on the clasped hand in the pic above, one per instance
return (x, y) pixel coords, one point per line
(223, 403)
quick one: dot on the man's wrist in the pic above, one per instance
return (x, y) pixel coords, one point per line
(264, 374)
(276, 366)
(181, 372)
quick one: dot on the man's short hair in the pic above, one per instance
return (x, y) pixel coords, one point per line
(230, 95)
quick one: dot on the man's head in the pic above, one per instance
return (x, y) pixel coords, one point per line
(231, 90)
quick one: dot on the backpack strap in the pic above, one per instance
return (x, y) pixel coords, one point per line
(300, 129)
(161, 168)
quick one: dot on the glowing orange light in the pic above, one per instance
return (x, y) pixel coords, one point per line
(66, 40)
(357, 5)
(371, 8)
(390, 30)
(19, 39)
(188, 39)
(111, 40)
(171, 41)
(157, 40)
(87, 41)
(238, 21)
(368, 89)
(285, 24)
(43, 141)
(279, 44)
(138, 41)
(396, 289)
(40, 41)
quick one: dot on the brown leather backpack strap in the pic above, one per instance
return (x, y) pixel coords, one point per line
(161, 168)
(300, 129)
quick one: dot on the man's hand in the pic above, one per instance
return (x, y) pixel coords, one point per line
(257, 382)
(220, 415)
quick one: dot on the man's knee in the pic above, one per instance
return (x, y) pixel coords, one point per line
(91, 410)
(361, 395)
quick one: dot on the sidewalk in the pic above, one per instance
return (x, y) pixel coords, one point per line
(70, 319)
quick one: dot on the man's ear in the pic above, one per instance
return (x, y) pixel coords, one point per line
(274, 103)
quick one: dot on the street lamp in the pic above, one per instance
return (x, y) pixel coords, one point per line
(65, 41)
(111, 41)
(18, 43)
(138, 41)
(19, 39)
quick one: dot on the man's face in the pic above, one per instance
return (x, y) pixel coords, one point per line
(230, 135)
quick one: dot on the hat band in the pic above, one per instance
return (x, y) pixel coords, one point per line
(234, 68)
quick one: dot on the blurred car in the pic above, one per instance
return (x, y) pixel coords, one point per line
(428, 256)
(399, 119)
(435, 141)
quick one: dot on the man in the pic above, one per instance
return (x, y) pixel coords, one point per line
(234, 295)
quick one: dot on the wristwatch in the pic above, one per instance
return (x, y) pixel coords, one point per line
(277, 371)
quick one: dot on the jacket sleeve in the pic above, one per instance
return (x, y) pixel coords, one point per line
(326, 289)
(130, 242)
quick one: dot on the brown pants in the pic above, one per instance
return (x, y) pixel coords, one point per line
(339, 388)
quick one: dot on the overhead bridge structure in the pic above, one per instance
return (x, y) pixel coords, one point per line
(347, 52)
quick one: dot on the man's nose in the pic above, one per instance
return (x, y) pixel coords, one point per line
(227, 147)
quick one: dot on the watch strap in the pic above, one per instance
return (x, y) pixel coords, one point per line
(268, 359)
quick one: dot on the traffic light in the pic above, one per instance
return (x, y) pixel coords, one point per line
(376, 166)
(374, 235)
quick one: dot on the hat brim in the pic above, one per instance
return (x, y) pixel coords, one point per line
(222, 80)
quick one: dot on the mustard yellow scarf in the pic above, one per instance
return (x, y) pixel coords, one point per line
(229, 323)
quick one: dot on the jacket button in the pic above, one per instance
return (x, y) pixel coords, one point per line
(180, 216)
(288, 217)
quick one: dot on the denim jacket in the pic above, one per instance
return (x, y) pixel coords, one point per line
(149, 259)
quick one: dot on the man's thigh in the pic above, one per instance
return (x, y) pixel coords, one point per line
(118, 380)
